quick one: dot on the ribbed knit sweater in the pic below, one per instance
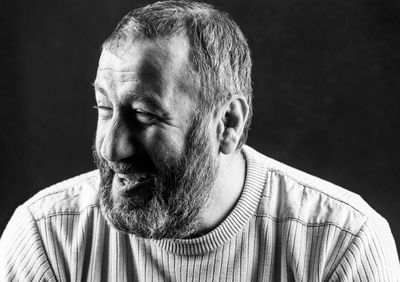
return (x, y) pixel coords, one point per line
(286, 226)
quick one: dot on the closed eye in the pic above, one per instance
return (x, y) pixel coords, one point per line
(142, 117)
(104, 112)
(145, 118)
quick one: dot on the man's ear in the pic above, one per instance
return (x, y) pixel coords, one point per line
(231, 124)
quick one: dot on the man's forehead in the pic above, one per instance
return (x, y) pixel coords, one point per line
(130, 67)
(159, 67)
(149, 57)
(122, 76)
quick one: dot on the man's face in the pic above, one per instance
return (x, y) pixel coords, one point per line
(155, 155)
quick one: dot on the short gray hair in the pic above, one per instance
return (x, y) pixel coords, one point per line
(219, 55)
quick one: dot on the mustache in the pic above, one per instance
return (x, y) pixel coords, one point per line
(122, 167)
(133, 167)
(126, 166)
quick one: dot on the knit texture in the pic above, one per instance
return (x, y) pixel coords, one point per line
(286, 226)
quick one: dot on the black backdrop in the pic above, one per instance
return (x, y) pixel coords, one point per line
(326, 85)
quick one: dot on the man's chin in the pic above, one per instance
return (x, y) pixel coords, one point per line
(141, 211)
(171, 204)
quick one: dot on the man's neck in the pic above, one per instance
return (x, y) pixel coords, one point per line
(227, 190)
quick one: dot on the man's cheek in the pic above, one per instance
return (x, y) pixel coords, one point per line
(166, 147)
(99, 139)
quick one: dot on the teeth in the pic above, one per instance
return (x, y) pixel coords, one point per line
(132, 178)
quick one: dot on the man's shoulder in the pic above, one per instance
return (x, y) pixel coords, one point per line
(71, 196)
(291, 194)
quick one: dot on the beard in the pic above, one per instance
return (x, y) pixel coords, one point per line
(181, 191)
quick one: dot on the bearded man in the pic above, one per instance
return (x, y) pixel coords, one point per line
(177, 195)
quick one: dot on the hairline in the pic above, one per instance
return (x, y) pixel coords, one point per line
(190, 74)
(197, 77)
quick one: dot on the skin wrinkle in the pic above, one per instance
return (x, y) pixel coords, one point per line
(144, 75)
(148, 100)
(191, 84)
(116, 75)
(169, 119)
(150, 67)
(152, 59)
(219, 56)
(181, 192)
(181, 159)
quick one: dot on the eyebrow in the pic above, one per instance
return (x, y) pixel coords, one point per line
(99, 89)
(153, 103)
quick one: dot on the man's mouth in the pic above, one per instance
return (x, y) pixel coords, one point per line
(132, 178)
(132, 182)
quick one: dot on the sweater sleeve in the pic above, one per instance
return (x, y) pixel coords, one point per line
(22, 256)
(372, 255)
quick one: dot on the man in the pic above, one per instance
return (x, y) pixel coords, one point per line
(177, 195)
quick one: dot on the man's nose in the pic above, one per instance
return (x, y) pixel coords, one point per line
(118, 142)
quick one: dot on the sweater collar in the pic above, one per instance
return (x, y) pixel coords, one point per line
(236, 221)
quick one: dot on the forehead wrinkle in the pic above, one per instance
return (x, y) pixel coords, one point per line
(159, 70)
(135, 93)
(122, 76)
(146, 75)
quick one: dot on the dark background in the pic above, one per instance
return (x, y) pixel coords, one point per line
(326, 87)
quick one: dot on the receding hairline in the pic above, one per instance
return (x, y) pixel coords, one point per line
(219, 58)
(188, 77)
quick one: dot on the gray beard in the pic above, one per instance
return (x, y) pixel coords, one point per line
(182, 191)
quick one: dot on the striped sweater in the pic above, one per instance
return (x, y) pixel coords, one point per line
(286, 226)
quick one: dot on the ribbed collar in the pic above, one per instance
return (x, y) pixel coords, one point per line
(236, 220)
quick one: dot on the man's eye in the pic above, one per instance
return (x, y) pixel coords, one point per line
(104, 112)
(145, 117)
